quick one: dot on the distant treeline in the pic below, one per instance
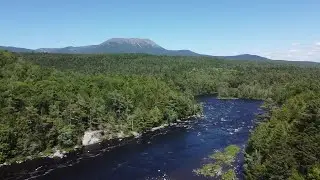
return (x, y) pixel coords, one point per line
(51, 104)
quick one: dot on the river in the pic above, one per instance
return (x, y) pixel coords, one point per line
(171, 153)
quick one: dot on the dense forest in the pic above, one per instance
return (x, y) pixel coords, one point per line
(49, 100)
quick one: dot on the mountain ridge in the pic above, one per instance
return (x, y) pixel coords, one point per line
(245, 57)
(126, 45)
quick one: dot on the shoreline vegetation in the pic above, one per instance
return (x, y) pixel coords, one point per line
(222, 165)
(49, 101)
(62, 153)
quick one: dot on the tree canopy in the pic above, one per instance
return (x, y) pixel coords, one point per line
(49, 100)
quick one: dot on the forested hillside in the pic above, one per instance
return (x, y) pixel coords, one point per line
(44, 108)
(49, 100)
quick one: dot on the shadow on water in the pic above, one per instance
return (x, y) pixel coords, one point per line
(171, 153)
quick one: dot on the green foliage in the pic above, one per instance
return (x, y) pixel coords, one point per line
(42, 108)
(6, 142)
(209, 170)
(227, 156)
(222, 164)
(229, 175)
(314, 172)
(231, 150)
(196, 75)
(296, 176)
(67, 136)
(287, 145)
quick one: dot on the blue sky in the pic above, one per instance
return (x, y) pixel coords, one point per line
(279, 29)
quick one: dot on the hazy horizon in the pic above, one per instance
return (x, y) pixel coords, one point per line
(286, 30)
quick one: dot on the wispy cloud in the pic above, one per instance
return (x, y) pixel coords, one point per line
(295, 44)
(297, 52)
(293, 50)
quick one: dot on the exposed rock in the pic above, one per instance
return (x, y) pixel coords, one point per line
(4, 164)
(92, 137)
(121, 134)
(159, 127)
(135, 134)
(58, 154)
(29, 157)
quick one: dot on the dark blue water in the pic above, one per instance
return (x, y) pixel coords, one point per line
(175, 152)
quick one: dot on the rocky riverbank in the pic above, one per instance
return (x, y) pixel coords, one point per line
(96, 137)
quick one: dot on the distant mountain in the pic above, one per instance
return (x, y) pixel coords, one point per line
(245, 57)
(15, 49)
(127, 45)
(121, 45)
(301, 63)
